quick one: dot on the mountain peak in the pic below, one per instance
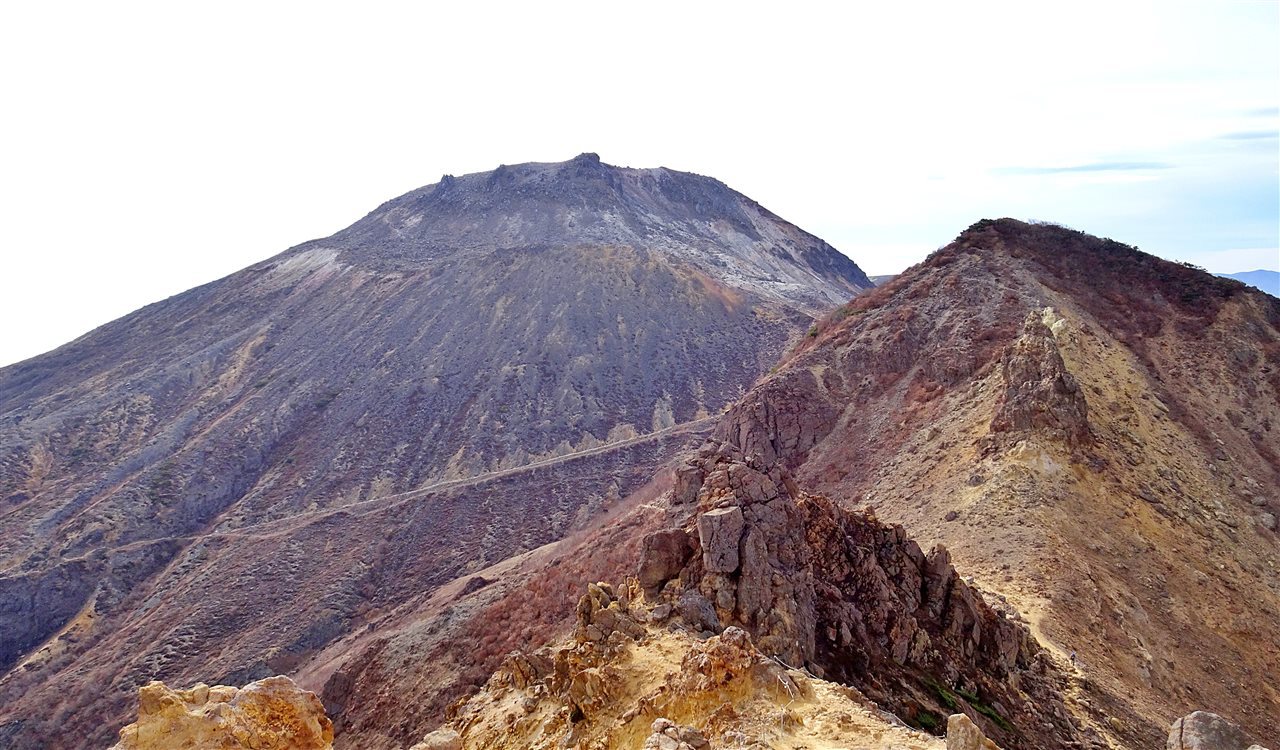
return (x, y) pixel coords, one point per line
(466, 374)
(584, 202)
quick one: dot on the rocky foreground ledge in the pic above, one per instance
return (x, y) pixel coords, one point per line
(271, 714)
(275, 714)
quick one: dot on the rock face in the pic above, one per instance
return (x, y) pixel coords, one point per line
(1039, 393)
(1202, 730)
(856, 601)
(720, 531)
(271, 714)
(663, 556)
(578, 317)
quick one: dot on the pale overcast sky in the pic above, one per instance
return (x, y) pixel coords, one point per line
(149, 147)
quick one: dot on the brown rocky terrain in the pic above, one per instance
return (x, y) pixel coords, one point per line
(271, 714)
(223, 484)
(1090, 431)
(835, 593)
(1084, 432)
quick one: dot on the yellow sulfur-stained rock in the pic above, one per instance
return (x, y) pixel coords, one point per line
(271, 714)
(963, 734)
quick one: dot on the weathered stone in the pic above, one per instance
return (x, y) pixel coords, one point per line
(271, 714)
(1202, 730)
(754, 596)
(441, 739)
(663, 554)
(660, 725)
(842, 594)
(963, 734)
(697, 612)
(693, 738)
(667, 735)
(1267, 521)
(720, 531)
(688, 481)
(587, 689)
(1040, 394)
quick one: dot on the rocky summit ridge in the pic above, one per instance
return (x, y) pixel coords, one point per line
(221, 485)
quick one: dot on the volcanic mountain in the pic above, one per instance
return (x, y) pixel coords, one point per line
(1083, 437)
(220, 484)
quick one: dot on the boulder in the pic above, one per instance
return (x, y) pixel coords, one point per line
(662, 556)
(963, 734)
(1202, 730)
(441, 739)
(667, 735)
(697, 612)
(271, 714)
(720, 531)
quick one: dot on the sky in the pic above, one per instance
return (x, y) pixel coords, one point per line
(146, 148)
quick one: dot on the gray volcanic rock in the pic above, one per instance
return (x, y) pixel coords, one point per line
(1039, 392)
(531, 343)
(859, 602)
(1201, 730)
(719, 531)
(584, 202)
(664, 555)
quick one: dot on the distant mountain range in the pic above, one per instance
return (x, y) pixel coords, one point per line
(1267, 281)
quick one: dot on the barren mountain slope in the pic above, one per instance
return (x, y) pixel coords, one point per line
(205, 489)
(1088, 429)
(1091, 431)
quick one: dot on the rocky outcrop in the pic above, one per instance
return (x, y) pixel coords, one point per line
(663, 555)
(667, 735)
(1040, 394)
(1202, 730)
(271, 714)
(621, 692)
(720, 531)
(963, 734)
(441, 739)
(603, 617)
(854, 600)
